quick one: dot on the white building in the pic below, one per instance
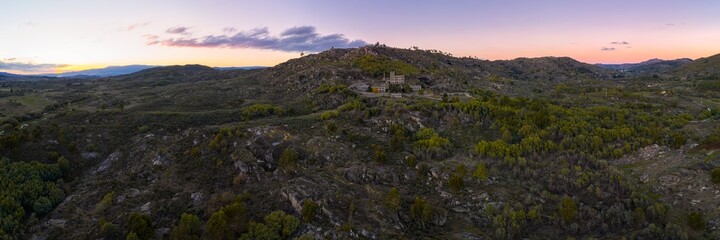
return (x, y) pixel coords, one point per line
(396, 79)
(396, 95)
(416, 88)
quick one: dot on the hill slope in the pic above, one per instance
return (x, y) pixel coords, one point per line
(703, 68)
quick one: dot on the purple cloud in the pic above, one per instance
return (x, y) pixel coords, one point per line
(607, 49)
(620, 43)
(179, 30)
(295, 39)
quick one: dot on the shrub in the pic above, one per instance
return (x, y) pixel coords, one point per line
(379, 155)
(393, 199)
(278, 225)
(568, 209)
(715, 175)
(144, 129)
(329, 115)
(411, 160)
(132, 236)
(434, 147)
(456, 182)
(421, 211)
(480, 172)
(217, 227)
(289, 160)
(696, 221)
(42, 206)
(141, 224)
(106, 202)
(188, 228)
(309, 210)
(261, 110)
(109, 230)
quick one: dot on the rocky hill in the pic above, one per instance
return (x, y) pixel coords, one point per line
(427, 67)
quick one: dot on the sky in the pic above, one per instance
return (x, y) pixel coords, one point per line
(63, 35)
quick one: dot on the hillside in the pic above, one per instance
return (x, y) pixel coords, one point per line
(530, 148)
(702, 68)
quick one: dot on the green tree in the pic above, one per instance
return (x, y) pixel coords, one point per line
(421, 211)
(42, 206)
(393, 199)
(217, 227)
(188, 228)
(141, 225)
(379, 155)
(480, 172)
(236, 216)
(109, 230)
(278, 225)
(289, 160)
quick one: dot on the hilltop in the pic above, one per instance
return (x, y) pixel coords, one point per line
(428, 67)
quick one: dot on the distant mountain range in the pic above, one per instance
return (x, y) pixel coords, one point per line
(652, 66)
(122, 70)
(4, 74)
(103, 72)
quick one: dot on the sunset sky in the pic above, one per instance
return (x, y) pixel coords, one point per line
(59, 35)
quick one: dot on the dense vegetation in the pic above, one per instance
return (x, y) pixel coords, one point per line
(376, 66)
(28, 189)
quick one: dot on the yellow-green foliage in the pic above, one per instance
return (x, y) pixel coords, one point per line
(393, 199)
(431, 145)
(329, 115)
(106, 202)
(480, 172)
(377, 65)
(340, 89)
(421, 211)
(262, 110)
